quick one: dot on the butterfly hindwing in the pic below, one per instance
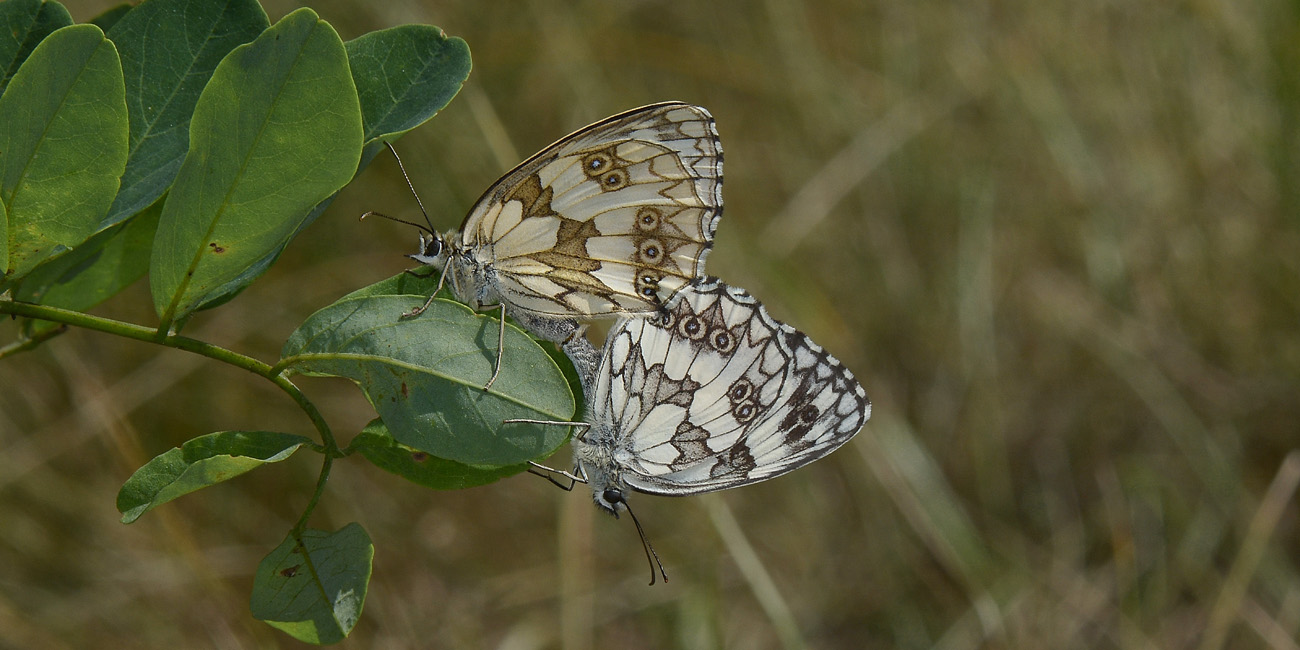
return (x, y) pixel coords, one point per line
(612, 219)
(719, 394)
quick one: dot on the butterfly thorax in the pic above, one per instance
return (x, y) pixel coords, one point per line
(600, 459)
(470, 278)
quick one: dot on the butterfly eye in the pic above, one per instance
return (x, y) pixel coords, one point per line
(432, 247)
(612, 496)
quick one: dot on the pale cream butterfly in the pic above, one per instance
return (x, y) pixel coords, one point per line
(611, 220)
(712, 394)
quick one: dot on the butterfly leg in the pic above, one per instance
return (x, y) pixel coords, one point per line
(501, 347)
(559, 423)
(549, 474)
(420, 310)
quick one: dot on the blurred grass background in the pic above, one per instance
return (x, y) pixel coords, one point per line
(1056, 241)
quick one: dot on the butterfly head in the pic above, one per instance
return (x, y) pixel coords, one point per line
(433, 251)
(606, 489)
(610, 500)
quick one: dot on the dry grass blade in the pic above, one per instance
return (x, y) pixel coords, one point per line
(1230, 601)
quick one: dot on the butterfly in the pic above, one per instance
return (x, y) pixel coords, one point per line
(611, 220)
(713, 394)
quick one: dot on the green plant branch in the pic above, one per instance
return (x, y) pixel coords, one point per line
(315, 497)
(26, 343)
(329, 448)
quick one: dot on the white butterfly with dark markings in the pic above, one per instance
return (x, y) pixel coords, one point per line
(714, 394)
(611, 220)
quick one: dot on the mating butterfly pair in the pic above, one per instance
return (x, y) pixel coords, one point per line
(697, 388)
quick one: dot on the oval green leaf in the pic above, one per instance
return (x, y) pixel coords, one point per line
(405, 75)
(404, 97)
(422, 468)
(257, 162)
(23, 25)
(63, 144)
(313, 588)
(425, 376)
(200, 462)
(169, 50)
(4, 244)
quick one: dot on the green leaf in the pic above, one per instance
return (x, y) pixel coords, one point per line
(405, 75)
(425, 376)
(4, 244)
(421, 468)
(423, 282)
(275, 132)
(109, 17)
(396, 96)
(24, 24)
(313, 588)
(63, 144)
(94, 271)
(417, 282)
(169, 50)
(200, 462)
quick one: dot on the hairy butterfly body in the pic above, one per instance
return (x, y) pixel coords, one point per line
(611, 220)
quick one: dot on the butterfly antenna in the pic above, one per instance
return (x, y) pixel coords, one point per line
(410, 184)
(381, 215)
(649, 550)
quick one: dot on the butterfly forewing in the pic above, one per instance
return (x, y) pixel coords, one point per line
(719, 394)
(612, 219)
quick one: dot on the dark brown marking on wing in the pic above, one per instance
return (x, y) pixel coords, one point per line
(691, 443)
(570, 249)
(535, 198)
(735, 461)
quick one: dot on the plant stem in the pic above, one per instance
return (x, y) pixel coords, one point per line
(329, 448)
(137, 332)
(25, 344)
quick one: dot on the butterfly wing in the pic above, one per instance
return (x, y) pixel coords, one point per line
(614, 218)
(720, 394)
